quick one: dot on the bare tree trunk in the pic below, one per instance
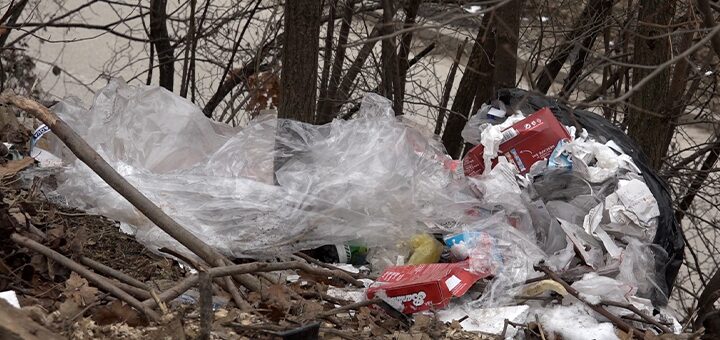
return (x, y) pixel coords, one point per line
(647, 119)
(597, 20)
(161, 39)
(696, 184)
(485, 89)
(185, 82)
(507, 21)
(326, 104)
(411, 10)
(448, 88)
(466, 92)
(300, 60)
(343, 90)
(327, 58)
(587, 26)
(236, 77)
(10, 19)
(390, 85)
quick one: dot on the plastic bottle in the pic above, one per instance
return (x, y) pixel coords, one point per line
(339, 253)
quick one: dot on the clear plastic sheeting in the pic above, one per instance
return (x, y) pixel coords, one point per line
(494, 246)
(373, 178)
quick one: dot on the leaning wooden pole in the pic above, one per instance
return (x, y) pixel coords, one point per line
(89, 156)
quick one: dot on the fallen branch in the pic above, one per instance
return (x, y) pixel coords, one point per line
(617, 321)
(270, 267)
(98, 280)
(132, 290)
(92, 159)
(173, 292)
(640, 313)
(120, 276)
(206, 310)
(324, 297)
(255, 267)
(226, 283)
(338, 333)
(235, 293)
(328, 266)
(349, 307)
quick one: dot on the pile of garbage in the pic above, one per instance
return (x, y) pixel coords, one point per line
(541, 223)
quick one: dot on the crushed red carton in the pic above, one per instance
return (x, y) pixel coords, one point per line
(416, 288)
(524, 143)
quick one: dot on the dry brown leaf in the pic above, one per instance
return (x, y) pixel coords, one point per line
(377, 330)
(118, 312)
(69, 308)
(310, 309)
(277, 296)
(20, 218)
(56, 233)
(422, 323)
(39, 263)
(11, 168)
(79, 290)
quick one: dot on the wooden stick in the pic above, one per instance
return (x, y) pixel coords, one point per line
(132, 290)
(226, 283)
(328, 266)
(86, 273)
(355, 305)
(269, 267)
(640, 313)
(255, 267)
(161, 305)
(235, 293)
(92, 159)
(173, 292)
(206, 310)
(120, 276)
(617, 321)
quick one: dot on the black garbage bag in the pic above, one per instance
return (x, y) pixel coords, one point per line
(668, 232)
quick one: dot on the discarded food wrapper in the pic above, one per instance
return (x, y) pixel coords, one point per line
(426, 249)
(415, 288)
(459, 246)
(523, 144)
(560, 158)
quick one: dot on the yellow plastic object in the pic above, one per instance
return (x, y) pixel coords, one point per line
(426, 249)
(543, 286)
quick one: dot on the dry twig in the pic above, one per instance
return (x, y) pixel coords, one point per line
(617, 321)
(97, 279)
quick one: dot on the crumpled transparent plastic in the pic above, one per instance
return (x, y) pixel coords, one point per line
(637, 259)
(505, 252)
(499, 190)
(372, 179)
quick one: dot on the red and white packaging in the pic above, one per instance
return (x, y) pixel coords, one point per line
(416, 288)
(524, 143)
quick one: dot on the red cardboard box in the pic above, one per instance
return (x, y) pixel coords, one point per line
(425, 286)
(525, 143)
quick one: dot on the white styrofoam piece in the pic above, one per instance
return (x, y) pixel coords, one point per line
(486, 320)
(10, 297)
